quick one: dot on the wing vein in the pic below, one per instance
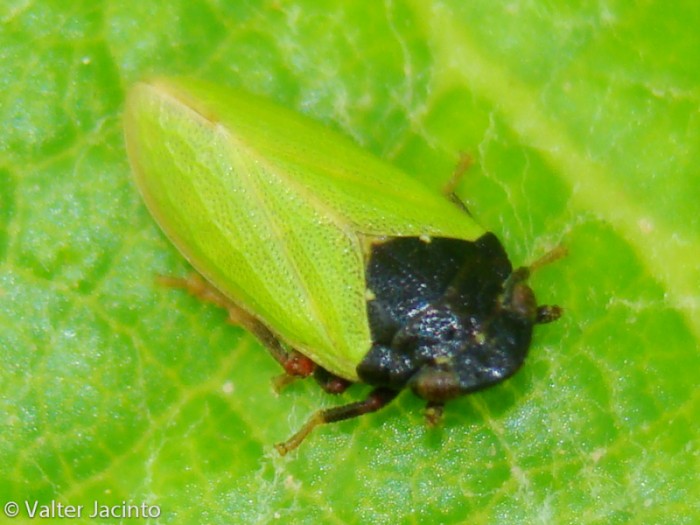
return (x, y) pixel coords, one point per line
(254, 184)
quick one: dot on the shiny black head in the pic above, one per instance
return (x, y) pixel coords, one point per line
(447, 316)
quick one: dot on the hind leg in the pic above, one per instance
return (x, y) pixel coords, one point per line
(295, 364)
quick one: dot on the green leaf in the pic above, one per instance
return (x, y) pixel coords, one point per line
(583, 122)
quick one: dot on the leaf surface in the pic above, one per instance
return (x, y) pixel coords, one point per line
(583, 122)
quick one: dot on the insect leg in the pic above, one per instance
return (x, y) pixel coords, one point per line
(518, 296)
(464, 163)
(330, 382)
(548, 313)
(551, 256)
(376, 399)
(433, 413)
(294, 363)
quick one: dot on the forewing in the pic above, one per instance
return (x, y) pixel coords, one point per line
(370, 195)
(235, 216)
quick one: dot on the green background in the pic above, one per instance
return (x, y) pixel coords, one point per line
(584, 124)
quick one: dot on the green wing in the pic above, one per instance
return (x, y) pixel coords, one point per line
(271, 208)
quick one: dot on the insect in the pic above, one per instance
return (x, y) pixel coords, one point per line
(344, 267)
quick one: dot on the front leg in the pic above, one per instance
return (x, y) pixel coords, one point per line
(433, 413)
(465, 162)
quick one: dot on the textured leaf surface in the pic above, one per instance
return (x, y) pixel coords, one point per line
(583, 120)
